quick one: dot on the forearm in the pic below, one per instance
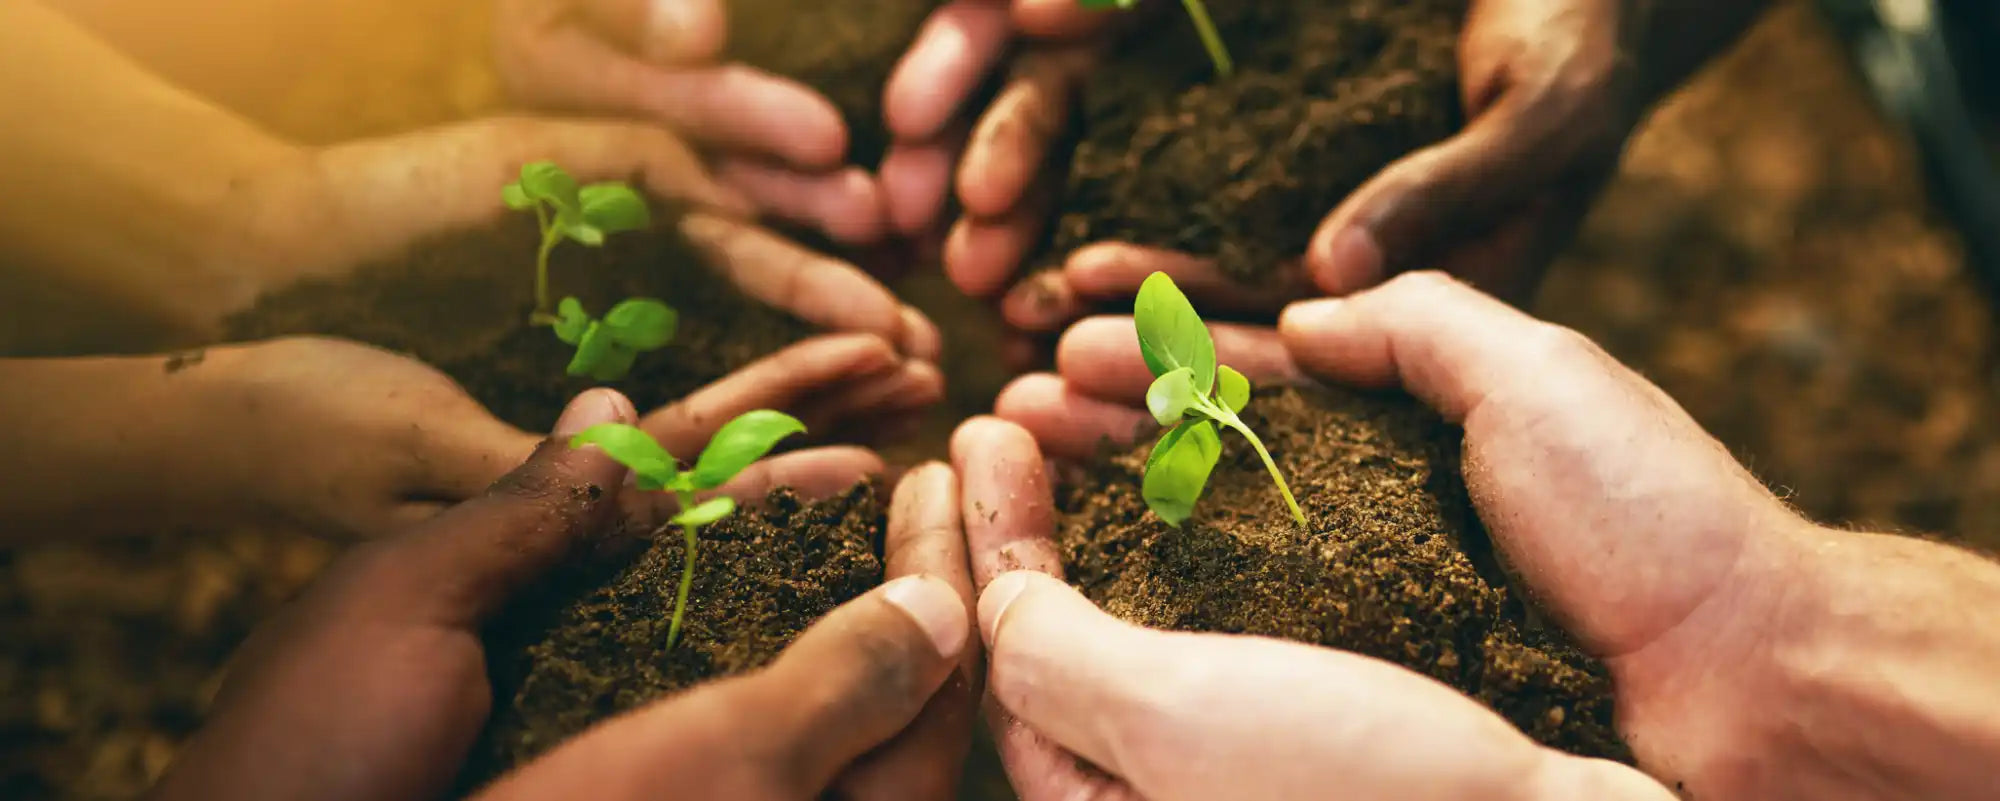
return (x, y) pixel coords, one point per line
(120, 181)
(1890, 674)
(103, 446)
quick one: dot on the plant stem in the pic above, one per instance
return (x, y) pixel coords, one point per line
(1230, 419)
(687, 575)
(543, 315)
(1210, 39)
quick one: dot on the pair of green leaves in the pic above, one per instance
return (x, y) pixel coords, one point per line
(606, 349)
(583, 214)
(737, 445)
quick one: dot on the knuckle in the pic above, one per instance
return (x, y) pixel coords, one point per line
(1555, 344)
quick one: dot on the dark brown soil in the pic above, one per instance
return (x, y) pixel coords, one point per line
(1243, 168)
(843, 48)
(1395, 566)
(592, 647)
(461, 304)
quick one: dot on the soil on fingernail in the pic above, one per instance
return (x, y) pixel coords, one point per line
(1243, 168)
(1395, 565)
(590, 644)
(461, 303)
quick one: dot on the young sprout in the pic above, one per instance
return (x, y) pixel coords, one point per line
(735, 446)
(584, 215)
(1217, 51)
(605, 349)
(1193, 395)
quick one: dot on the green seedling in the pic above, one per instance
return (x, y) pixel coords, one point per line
(1192, 394)
(605, 349)
(584, 215)
(738, 444)
(1217, 51)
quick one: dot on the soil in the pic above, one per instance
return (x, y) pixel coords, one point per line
(1395, 565)
(843, 48)
(461, 304)
(593, 644)
(1244, 168)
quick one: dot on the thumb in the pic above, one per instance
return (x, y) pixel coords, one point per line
(663, 32)
(1431, 200)
(469, 560)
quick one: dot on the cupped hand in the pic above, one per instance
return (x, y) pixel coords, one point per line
(349, 441)
(777, 141)
(374, 686)
(1551, 89)
(1641, 535)
(340, 207)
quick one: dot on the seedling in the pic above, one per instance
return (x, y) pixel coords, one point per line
(584, 215)
(1193, 395)
(1217, 51)
(735, 446)
(605, 349)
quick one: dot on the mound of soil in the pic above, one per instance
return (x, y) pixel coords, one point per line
(592, 645)
(1244, 168)
(461, 304)
(1395, 564)
(843, 48)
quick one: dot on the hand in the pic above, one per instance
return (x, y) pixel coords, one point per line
(1552, 89)
(779, 142)
(350, 204)
(1640, 534)
(373, 686)
(348, 441)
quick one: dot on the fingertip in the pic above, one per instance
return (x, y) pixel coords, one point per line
(935, 606)
(594, 407)
(683, 31)
(987, 434)
(921, 338)
(998, 596)
(1042, 303)
(1346, 257)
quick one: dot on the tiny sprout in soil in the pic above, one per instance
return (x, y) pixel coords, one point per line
(1192, 394)
(735, 446)
(1210, 38)
(584, 215)
(605, 349)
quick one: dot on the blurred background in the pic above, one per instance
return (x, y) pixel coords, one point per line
(1776, 253)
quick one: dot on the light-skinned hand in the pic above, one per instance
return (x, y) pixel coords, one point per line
(778, 142)
(374, 686)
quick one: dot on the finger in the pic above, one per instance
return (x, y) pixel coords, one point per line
(845, 204)
(1042, 303)
(1008, 505)
(910, 388)
(958, 46)
(813, 474)
(1010, 144)
(926, 537)
(736, 107)
(1060, 19)
(1114, 270)
(468, 561)
(1099, 357)
(662, 32)
(916, 181)
(816, 288)
(849, 683)
(1433, 198)
(980, 256)
(1067, 424)
(782, 380)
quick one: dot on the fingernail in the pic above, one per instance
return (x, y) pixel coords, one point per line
(921, 339)
(936, 609)
(1351, 260)
(592, 408)
(999, 595)
(1313, 319)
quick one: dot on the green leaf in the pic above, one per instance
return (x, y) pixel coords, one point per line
(1232, 388)
(584, 234)
(1178, 470)
(571, 321)
(615, 364)
(1171, 335)
(1171, 395)
(632, 448)
(740, 442)
(614, 207)
(591, 350)
(543, 180)
(706, 512)
(642, 324)
(516, 198)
